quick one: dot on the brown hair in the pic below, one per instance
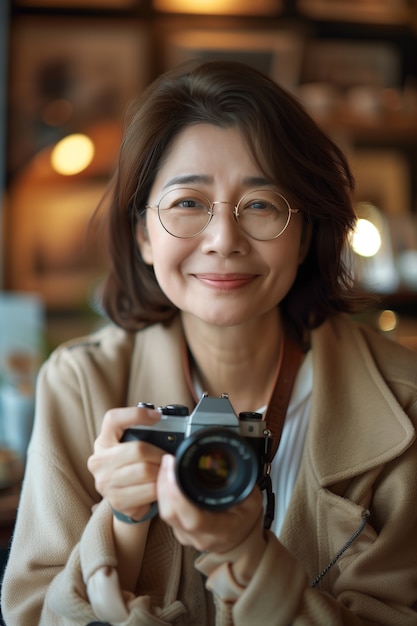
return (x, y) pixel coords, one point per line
(290, 149)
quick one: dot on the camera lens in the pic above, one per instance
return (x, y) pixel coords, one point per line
(216, 468)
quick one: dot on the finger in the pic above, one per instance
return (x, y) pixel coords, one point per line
(126, 483)
(170, 498)
(175, 508)
(116, 421)
(189, 523)
(127, 461)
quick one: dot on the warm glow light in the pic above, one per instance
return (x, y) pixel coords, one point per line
(366, 239)
(219, 7)
(387, 321)
(72, 155)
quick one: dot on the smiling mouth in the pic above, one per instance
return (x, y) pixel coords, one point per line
(225, 282)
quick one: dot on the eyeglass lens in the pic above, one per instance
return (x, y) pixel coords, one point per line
(262, 214)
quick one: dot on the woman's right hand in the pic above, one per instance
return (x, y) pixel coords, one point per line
(126, 473)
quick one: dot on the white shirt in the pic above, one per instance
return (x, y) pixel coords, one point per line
(287, 460)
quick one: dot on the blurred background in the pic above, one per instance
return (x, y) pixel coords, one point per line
(68, 69)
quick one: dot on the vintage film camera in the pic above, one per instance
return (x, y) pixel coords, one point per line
(219, 456)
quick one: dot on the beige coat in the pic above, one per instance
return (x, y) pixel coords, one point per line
(360, 454)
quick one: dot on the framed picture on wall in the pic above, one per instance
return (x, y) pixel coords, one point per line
(278, 53)
(66, 72)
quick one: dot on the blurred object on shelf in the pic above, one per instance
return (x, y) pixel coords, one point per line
(321, 99)
(383, 192)
(403, 231)
(347, 64)
(382, 178)
(373, 256)
(357, 86)
(22, 350)
(53, 247)
(22, 323)
(384, 250)
(17, 414)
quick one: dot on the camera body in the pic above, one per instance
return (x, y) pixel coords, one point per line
(219, 456)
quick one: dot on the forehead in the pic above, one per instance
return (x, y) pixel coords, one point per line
(207, 150)
(201, 138)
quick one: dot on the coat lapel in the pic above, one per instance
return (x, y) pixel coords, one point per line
(157, 367)
(351, 432)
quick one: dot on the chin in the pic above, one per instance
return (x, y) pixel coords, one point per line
(224, 319)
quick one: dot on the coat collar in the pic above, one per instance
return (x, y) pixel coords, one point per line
(157, 368)
(356, 421)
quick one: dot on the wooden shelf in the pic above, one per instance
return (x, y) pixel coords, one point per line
(390, 127)
(376, 12)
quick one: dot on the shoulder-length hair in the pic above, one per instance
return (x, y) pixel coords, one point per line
(291, 151)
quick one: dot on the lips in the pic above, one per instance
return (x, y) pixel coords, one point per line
(225, 282)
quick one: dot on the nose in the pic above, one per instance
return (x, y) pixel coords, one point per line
(223, 234)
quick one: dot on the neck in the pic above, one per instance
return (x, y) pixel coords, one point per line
(240, 360)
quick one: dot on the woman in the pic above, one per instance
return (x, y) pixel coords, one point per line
(229, 216)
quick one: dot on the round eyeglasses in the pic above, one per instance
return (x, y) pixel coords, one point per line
(262, 214)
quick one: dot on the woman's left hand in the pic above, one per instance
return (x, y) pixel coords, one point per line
(207, 531)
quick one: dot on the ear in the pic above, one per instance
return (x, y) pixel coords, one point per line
(143, 242)
(305, 242)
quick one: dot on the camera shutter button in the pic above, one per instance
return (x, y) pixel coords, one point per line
(180, 410)
(145, 405)
(250, 415)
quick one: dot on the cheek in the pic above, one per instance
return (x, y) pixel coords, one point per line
(166, 253)
(290, 249)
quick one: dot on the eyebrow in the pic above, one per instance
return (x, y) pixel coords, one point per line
(187, 179)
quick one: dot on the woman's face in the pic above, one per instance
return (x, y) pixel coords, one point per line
(222, 276)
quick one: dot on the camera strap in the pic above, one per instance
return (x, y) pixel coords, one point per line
(292, 355)
(289, 363)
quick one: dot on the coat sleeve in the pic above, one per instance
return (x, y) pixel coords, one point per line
(75, 388)
(91, 576)
(63, 530)
(57, 493)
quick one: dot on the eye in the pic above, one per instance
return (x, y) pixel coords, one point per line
(259, 205)
(184, 200)
(189, 203)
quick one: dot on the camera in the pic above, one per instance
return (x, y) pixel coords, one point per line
(220, 456)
